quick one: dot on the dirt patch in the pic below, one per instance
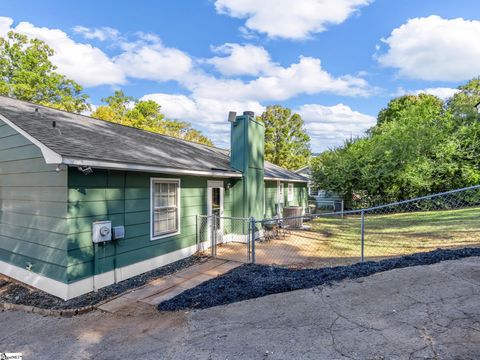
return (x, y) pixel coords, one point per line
(252, 281)
(16, 293)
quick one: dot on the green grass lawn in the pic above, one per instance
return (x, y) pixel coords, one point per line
(397, 234)
(333, 240)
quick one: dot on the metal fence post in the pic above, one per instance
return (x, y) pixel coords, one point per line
(197, 237)
(252, 236)
(215, 231)
(212, 233)
(249, 239)
(363, 235)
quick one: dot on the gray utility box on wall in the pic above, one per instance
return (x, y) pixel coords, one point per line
(118, 232)
(101, 231)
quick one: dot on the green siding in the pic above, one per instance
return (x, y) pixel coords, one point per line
(300, 196)
(33, 208)
(270, 198)
(124, 198)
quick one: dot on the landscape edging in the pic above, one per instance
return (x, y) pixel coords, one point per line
(48, 312)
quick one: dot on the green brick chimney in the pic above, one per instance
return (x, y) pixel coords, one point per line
(247, 156)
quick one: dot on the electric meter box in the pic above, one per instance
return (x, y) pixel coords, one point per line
(101, 231)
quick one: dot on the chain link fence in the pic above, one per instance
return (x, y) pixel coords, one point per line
(446, 220)
(225, 237)
(309, 241)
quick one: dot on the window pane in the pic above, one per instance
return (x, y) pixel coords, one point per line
(160, 224)
(165, 194)
(165, 214)
(164, 188)
(216, 198)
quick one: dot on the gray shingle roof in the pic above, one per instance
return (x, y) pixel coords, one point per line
(82, 137)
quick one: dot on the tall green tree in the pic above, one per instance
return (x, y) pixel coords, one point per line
(402, 157)
(462, 104)
(420, 145)
(404, 107)
(466, 137)
(287, 143)
(145, 115)
(26, 73)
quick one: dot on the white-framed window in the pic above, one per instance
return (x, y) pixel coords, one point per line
(165, 207)
(280, 193)
(290, 192)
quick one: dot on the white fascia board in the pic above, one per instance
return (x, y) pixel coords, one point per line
(286, 180)
(50, 156)
(301, 169)
(147, 168)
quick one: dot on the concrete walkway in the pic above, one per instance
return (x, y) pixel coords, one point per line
(165, 288)
(421, 312)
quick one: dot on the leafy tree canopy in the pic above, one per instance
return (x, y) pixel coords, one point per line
(404, 107)
(26, 73)
(419, 146)
(145, 115)
(286, 142)
(462, 104)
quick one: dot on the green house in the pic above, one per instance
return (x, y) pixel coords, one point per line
(63, 174)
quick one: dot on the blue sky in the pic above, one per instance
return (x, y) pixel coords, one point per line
(336, 62)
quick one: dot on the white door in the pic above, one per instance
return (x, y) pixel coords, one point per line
(215, 207)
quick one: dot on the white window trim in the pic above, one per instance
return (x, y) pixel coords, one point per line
(171, 180)
(280, 193)
(290, 192)
(210, 185)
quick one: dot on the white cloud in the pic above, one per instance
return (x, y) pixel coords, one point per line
(330, 126)
(241, 60)
(83, 63)
(143, 58)
(5, 25)
(209, 115)
(102, 34)
(442, 92)
(287, 19)
(149, 59)
(435, 49)
(280, 83)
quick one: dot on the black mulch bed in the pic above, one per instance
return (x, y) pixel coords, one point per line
(18, 294)
(251, 281)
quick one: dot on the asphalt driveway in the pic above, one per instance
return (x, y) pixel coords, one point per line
(418, 312)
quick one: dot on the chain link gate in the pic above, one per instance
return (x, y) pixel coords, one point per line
(227, 238)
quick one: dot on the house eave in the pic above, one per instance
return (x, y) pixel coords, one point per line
(100, 164)
(286, 180)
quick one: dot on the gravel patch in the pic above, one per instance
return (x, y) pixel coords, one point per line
(15, 293)
(251, 281)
